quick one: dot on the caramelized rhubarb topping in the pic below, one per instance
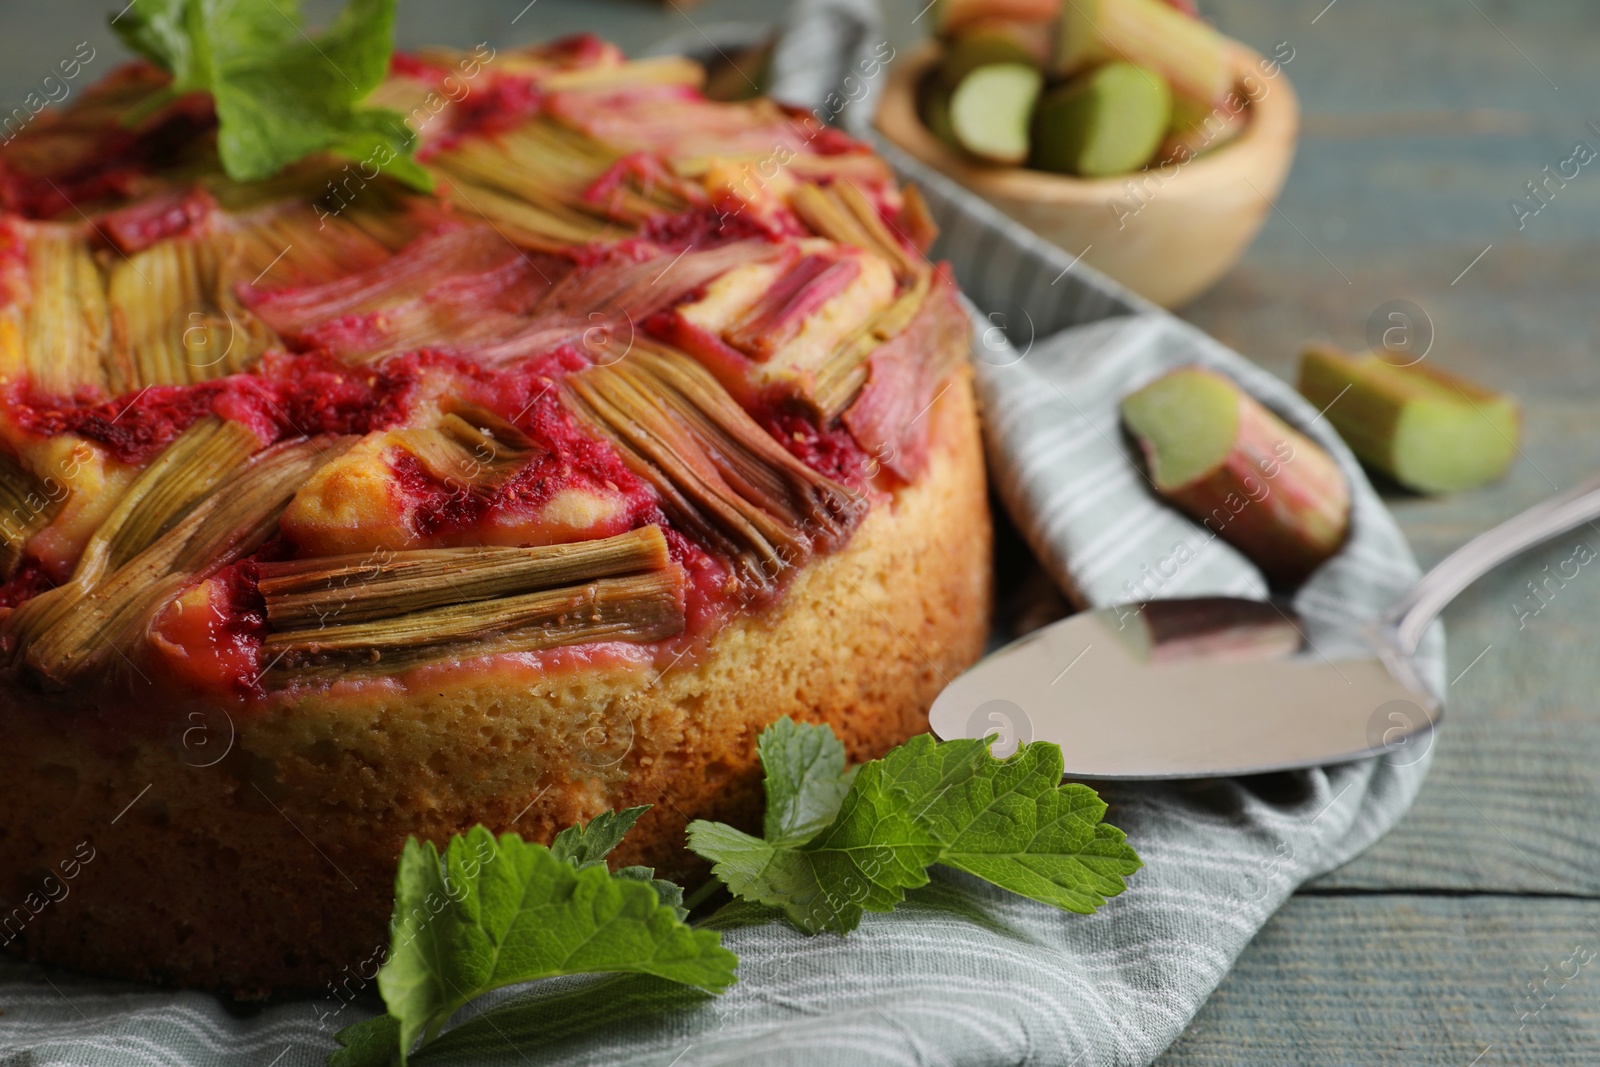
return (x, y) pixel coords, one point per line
(90, 628)
(471, 289)
(291, 243)
(203, 457)
(169, 214)
(556, 187)
(459, 287)
(639, 608)
(783, 327)
(636, 280)
(457, 452)
(626, 372)
(397, 610)
(90, 155)
(176, 318)
(841, 377)
(66, 336)
(905, 376)
(720, 476)
(26, 506)
(777, 317)
(915, 221)
(308, 593)
(843, 213)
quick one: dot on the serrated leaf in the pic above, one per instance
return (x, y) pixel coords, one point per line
(588, 845)
(492, 912)
(1011, 822)
(192, 39)
(671, 893)
(280, 95)
(864, 860)
(805, 780)
(372, 1043)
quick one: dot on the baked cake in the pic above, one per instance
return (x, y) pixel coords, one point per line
(335, 512)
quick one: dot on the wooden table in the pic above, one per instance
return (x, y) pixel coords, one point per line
(1422, 120)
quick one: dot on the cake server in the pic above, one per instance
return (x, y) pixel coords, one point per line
(1220, 686)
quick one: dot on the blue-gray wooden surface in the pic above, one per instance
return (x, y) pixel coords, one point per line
(1471, 935)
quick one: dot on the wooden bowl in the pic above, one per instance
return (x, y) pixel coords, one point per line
(1166, 233)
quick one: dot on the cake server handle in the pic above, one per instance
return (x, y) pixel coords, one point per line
(1405, 623)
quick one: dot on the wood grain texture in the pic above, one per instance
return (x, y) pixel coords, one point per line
(1422, 121)
(1497, 815)
(1381, 980)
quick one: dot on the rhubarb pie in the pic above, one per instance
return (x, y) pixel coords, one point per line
(335, 512)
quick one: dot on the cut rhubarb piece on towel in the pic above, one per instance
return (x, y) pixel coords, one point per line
(1244, 473)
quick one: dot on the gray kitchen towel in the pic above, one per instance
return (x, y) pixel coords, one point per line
(963, 973)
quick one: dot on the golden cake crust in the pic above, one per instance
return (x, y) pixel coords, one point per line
(270, 869)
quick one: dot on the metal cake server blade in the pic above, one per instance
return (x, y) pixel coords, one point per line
(1220, 686)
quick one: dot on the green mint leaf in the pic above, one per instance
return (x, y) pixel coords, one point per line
(373, 1043)
(379, 138)
(193, 39)
(494, 911)
(1011, 822)
(279, 94)
(806, 780)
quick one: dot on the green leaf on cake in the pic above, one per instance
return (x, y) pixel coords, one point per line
(1011, 822)
(280, 95)
(495, 911)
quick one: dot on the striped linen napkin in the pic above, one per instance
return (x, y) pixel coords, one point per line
(963, 974)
